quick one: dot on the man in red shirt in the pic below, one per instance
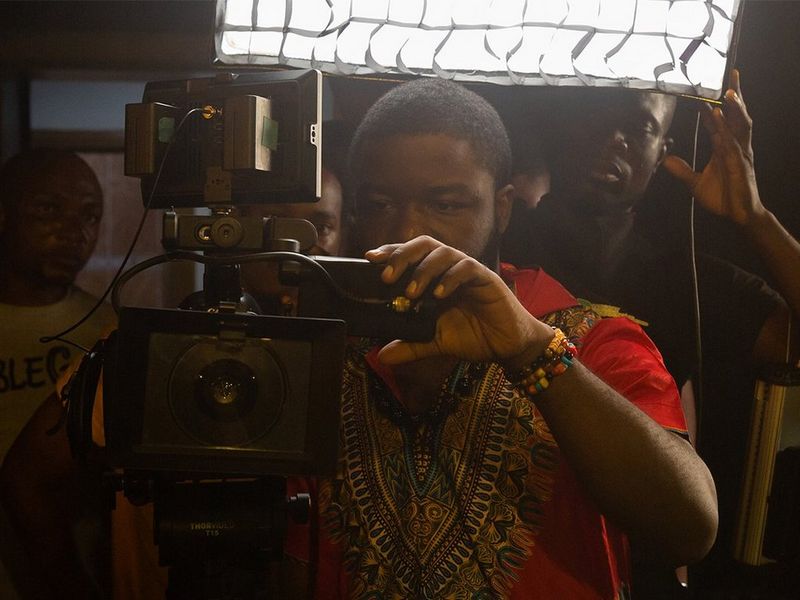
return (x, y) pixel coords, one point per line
(454, 479)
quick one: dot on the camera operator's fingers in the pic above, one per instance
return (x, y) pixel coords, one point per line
(435, 265)
(399, 256)
(381, 255)
(466, 271)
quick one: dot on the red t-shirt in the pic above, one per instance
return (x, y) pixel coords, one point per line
(569, 551)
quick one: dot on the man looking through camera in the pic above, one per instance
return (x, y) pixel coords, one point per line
(444, 474)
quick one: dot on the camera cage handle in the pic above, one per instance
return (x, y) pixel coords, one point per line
(280, 256)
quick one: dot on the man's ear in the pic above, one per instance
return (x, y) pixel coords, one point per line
(503, 203)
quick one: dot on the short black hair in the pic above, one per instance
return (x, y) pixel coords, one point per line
(425, 106)
(20, 170)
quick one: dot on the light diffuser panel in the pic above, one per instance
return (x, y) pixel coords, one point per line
(677, 46)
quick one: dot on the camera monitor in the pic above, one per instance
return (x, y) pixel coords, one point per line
(221, 393)
(251, 138)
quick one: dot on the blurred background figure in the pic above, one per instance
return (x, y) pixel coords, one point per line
(50, 210)
(530, 176)
(261, 279)
(330, 217)
(603, 163)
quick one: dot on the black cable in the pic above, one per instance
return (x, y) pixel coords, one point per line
(49, 338)
(182, 255)
(698, 389)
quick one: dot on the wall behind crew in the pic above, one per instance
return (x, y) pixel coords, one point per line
(166, 285)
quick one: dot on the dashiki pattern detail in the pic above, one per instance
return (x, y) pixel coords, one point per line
(445, 504)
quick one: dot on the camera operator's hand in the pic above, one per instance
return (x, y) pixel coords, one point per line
(482, 320)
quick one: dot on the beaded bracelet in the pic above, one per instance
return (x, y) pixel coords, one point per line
(554, 361)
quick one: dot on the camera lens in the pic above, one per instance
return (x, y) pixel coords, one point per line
(227, 394)
(226, 389)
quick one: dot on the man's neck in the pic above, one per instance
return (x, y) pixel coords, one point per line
(583, 251)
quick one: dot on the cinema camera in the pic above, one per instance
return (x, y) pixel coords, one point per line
(205, 405)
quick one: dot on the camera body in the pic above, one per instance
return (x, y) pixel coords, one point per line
(192, 392)
(216, 390)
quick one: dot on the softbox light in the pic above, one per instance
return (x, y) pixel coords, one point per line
(676, 46)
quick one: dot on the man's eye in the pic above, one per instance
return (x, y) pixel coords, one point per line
(45, 210)
(91, 219)
(646, 128)
(323, 229)
(375, 204)
(446, 206)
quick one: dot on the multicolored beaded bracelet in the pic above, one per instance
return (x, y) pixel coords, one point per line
(554, 361)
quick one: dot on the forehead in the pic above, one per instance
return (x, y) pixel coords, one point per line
(659, 106)
(627, 106)
(423, 157)
(61, 179)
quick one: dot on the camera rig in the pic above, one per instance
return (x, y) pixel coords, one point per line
(207, 408)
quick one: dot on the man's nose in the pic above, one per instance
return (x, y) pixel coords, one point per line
(616, 139)
(72, 229)
(410, 224)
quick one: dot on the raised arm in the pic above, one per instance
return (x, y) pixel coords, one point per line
(40, 491)
(648, 480)
(727, 187)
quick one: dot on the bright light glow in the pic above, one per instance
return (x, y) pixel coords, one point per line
(582, 13)
(438, 13)
(505, 13)
(673, 46)
(269, 15)
(689, 19)
(591, 63)
(239, 13)
(325, 48)
(546, 12)
(617, 16)
(459, 53)
(407, 13)
(417, 55)
(298, 46)
(369, 10)
(354, 43)
(310, 16)
(471, 13)
(651, 16)
(387, 43)
(268, 43)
